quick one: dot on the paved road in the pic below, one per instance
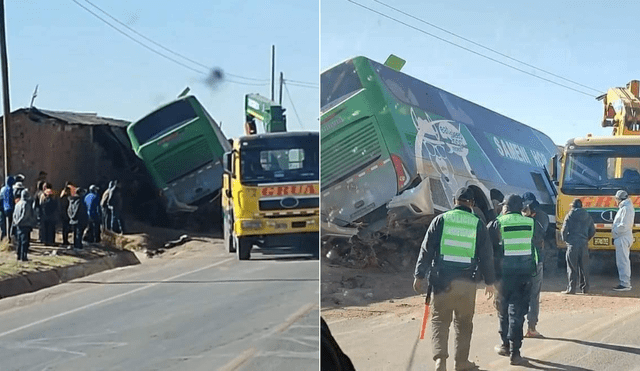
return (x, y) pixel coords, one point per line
(196, 308)
(584, 340)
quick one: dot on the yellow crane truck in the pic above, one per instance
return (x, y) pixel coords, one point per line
(270, 185)
(593, 168)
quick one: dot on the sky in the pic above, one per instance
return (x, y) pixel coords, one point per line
(81, 64)
(592, 43)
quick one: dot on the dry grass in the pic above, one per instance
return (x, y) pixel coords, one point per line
(9, 266)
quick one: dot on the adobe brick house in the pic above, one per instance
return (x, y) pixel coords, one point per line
(81, 147)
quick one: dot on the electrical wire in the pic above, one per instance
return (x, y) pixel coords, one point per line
(301, 85)
(467, 49)
(303, 82)
(265, 81)
(293, 105)
(485, 47)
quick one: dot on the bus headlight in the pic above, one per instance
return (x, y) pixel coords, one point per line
(251, 224)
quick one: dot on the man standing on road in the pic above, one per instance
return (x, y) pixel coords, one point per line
(533, 210)
(516, 261)
(577, 230)
(455, 246)
(622, 236)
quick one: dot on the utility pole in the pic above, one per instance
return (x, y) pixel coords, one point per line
(273, 71)
(281, 83)
(5, 90)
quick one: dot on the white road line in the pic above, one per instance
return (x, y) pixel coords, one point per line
(110, 299)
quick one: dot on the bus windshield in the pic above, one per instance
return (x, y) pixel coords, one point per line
(163, 120)
(288, 161)
(337, 84)
(601, 172)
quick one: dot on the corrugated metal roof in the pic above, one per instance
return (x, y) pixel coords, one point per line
(76, 118)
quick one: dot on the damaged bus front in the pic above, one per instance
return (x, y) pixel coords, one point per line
(395, 150)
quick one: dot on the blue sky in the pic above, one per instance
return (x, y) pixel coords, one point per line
(81, 64)
(589, 42)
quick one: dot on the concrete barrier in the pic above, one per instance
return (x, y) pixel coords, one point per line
(33, 281)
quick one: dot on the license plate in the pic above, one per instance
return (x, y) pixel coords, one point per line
(601, 241)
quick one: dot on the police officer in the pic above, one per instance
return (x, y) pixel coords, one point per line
(454, 247)
(533, 210)
(516, 261)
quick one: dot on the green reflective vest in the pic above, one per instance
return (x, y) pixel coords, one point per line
(458, 242)
(517, 239)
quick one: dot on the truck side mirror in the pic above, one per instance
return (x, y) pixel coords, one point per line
(226, 162)
(553, 168)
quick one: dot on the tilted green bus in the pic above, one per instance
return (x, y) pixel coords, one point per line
(395, 149)
(182, 147)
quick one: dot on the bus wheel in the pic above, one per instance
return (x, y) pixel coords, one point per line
(243, 248)
(228, 236)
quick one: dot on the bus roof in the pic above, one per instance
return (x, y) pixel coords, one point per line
(445, 91)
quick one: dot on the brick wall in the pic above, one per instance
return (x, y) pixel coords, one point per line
(64, 151)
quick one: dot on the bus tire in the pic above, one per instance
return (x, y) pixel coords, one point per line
(228, 236)
(243, 248)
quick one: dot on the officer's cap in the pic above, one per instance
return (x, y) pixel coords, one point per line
(513, 202)
(464, 194)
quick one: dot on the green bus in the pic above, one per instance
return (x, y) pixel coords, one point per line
(395, 149)
(182, 148)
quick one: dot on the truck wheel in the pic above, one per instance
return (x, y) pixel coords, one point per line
(243, 248)
(228, 236)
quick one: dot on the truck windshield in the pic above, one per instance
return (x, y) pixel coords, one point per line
(281, 161)
(595, 173)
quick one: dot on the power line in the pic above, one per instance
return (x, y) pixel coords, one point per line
(303, 82)
(293, 105)
(301, 85)
(485, 47)
(469, 50)
(159, 45)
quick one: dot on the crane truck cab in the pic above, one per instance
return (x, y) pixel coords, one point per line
(270, 194)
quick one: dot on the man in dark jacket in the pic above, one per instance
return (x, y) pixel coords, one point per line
(533, 210)
(115, 208)
(516, 260)
(48, 214)
(577, 230)
(78, 217)
(65, 194)
(24, 219)
(92, 201)
(455, 247)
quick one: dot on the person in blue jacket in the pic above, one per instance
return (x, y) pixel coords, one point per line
(8, 205)
(92, 201)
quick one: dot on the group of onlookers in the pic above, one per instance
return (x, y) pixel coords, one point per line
(86, 214)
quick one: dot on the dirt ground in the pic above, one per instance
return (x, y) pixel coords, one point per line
(140, 237)
(359, 293)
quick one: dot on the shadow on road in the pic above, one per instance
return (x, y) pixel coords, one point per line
(546, 365)
(199, 282)
(619, 348)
